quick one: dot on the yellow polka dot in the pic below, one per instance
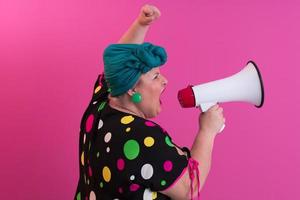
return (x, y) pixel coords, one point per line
(128, 129)
(82, 158)
(97, 89)
(154, 195)
(106, 174)
(149, 141)
(127, 119)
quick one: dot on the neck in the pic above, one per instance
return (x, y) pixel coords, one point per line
(125, 106)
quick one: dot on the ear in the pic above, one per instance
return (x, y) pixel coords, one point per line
(130, 92)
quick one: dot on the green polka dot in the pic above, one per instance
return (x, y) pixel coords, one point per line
(168, 141)
(101, 106)
(163, 182)
(78, 197)
(109, 90)
(101, 184)
(98, 155)
(131, 149)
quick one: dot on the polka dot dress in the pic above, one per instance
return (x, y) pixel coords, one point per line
(123, 156)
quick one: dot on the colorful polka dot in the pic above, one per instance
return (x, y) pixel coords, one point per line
(134, 187)
(78, 197)
(90, 171)
(120, 164)
(98, 154)
(120, 190)
(132, 177)
(101, 106)
(100, 124)
(89, 123)
(168, 166)
(148, 123)
(127, 119)
(154, 195)
(168, 141)
(82, 158)
(107, 137)
(97, 89)
(107, 149)
(128, 129)
(131, 149)
(92, 195)
(147, 171)
(106, 174)
(101, 184)
(84, 138)
(149, 141)
(147, 194)
(163, 182)
(95, 102)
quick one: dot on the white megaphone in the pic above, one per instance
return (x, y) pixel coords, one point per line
(244, 86)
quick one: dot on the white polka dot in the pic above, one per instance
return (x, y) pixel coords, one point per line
(100, 124)
(147, 171)
(92, 195)
(147, 194)
(94, 102)
(107, 149)
(132, 177)
(84, 138)
(107, 137)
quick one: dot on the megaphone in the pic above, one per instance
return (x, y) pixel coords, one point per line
(244, 86)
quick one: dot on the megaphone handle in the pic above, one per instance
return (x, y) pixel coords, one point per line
(205, 106)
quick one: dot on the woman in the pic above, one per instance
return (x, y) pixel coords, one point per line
(124, 155)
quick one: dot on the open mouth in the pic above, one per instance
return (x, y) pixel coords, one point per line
(162, 91)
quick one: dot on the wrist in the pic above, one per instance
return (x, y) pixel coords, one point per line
(209, 134)
(141, 23)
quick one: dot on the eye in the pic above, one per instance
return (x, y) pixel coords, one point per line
(156, 76)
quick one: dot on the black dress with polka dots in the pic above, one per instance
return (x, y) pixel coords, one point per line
(123, 156)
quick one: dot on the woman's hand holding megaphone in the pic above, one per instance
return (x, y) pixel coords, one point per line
(212, 121)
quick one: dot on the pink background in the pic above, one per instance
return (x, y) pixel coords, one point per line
(51, 54)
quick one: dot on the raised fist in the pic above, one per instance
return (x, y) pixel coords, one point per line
(148, 14)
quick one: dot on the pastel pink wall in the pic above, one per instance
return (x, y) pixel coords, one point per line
(51, 53)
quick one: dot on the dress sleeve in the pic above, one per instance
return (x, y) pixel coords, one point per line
(101, 90)
(159, 165)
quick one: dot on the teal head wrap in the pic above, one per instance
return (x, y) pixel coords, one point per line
(125, 63)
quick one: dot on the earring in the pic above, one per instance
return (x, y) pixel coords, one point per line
(136, 97)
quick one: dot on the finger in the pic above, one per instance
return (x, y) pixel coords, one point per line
(215, 107)
(220, 109)
(156, 11)
(147, 11)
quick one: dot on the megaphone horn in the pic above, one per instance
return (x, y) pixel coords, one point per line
(244, 86)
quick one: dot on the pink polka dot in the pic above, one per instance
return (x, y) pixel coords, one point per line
(120, 190)
(120, 164)
(134, 187)
(168, 166)
(148, 123)
(100, 78)
(90, 171)
(89, 123)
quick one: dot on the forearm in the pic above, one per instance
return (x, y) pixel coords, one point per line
(202, 152)
(135, 34)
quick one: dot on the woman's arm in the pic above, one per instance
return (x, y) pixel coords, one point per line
(139, 28)
(210, 124)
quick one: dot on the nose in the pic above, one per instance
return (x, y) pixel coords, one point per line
(164, 81)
